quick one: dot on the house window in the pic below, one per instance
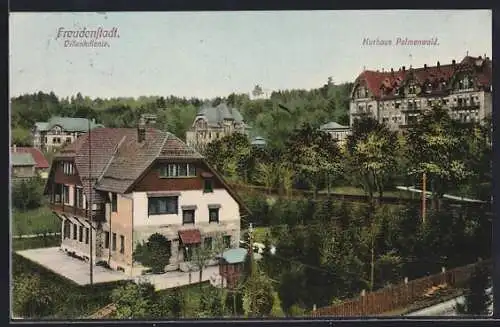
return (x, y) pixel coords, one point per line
(106, 241)
(79, 197)
(163, 205)
(208, 186)
(68, 140)
(188, 216)
(122, 244)
(227, 241)
(67, 229)
(114, 202)
(207, 242)
(80, 234)
(178, 170)
(213, 215)
(188, 252)
(86, 236)
(68, 168)
(75, 231)
(113, 243)
(66, 194)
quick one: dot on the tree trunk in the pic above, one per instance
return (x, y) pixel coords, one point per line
(328, 184)
(234, 303)
(201, 276)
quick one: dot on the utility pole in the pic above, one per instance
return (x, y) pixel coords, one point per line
(424, 197)
(90, 209)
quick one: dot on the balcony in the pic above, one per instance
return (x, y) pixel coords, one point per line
(97, 215)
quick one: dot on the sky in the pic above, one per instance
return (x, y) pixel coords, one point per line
(210, 54)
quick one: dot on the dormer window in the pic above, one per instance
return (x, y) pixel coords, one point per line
(177, 170)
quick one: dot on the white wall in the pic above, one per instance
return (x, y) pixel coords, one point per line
(229, 210)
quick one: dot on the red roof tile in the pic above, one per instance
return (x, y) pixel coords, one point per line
(391, 80)
(190, 236)
(37, 155)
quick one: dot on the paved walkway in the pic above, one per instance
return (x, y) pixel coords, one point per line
(79, 272)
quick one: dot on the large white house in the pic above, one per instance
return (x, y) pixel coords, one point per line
(141, 181)
(59, 131)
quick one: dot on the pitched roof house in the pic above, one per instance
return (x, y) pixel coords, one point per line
(213, 123)
(41, 164)
(22, 165)
(139, 182)
(59, 131)
(337, 132)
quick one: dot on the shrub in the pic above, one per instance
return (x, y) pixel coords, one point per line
(155, 253)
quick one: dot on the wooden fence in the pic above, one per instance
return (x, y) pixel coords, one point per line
(400, 296)
(355, 198)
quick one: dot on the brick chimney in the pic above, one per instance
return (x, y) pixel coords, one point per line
(425, 66)
(438, 65)
(141, 130)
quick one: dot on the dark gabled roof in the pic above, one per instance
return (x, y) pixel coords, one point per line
(132, 158)
(216, 115)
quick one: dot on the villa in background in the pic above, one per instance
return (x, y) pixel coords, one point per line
(398, 97)
(337, 132)
(28, 163)
(212, 123)
(58, 131)
(138, 182)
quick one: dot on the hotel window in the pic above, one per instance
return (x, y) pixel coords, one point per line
(113, 242)
(178, 170)
(106, 240)
(188, 216)
(86, 236)
(122, 244)
(114, 202)
(80, 234)
(213, 215)
(163, 205)
(208, 186)
(75, 231)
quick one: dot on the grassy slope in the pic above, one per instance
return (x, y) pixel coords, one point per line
(78, 301)
(36, 221)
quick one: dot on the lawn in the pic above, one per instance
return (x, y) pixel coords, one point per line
(259, 234)
(37, 221)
